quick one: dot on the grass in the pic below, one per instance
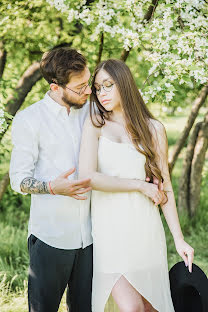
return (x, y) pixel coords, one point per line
(14, 211)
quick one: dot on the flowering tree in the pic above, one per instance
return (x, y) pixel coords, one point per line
(170, 35)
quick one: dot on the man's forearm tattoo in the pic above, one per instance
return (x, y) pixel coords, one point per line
(33, 186)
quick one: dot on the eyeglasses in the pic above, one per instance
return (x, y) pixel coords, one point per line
(107, 86)
(82, 90)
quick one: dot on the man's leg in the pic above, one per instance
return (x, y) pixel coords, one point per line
(80, 283)
(49, 272)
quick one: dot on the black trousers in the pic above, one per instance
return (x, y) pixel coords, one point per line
(51, 270)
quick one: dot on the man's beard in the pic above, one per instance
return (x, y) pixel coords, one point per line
(71, 103)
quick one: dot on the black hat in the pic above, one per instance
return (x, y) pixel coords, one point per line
(189, 291)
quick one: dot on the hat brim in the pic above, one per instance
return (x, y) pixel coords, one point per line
(189, 291)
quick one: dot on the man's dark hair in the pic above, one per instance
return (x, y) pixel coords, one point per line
(59, 64)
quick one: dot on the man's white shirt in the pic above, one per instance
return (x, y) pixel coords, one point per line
(46, 143)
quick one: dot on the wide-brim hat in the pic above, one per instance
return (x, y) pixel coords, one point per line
(189, 291)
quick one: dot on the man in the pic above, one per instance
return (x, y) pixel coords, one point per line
(46, 138)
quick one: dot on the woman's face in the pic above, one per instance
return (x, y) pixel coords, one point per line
(106, 91)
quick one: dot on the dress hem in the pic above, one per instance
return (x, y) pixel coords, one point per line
(108, 295)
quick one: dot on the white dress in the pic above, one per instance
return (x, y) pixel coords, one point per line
(128, 235)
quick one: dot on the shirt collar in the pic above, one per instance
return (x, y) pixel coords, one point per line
(52, 105)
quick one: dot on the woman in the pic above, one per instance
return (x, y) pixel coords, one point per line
(123, 144)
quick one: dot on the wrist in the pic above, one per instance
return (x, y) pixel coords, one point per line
(50, 188)
(178, 238)
(140, 186)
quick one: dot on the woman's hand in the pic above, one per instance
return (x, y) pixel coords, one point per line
(152, 191)
(186, 252)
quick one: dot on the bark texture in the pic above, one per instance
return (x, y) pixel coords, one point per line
(3, 55)
(149, 14)
(3, 184)
(197, 167)
(191, 177)
(184, 184)
(100, 48)
(199, 101)
(25, 84)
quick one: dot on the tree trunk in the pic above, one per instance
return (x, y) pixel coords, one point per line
(3, 54)
(100, 48)
(125, 54)
(190, 181)
(151, 10)
(184, 183)
(182, 140)
(25, 84)
(197, 167)
(3, 184)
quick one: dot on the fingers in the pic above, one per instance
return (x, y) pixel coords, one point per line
(155, 181)
(185, 259)
(81, 191)
(73, 189)
(190, 256)
(67, 173)
(79, 197)
(147, 179)
(81, 183)
(158, 198)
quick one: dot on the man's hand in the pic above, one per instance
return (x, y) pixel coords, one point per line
(159, 198)
(62, 186)
(152, 191)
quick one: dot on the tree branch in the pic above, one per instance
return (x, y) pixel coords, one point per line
(184, 182)
(197, 167)
(25, 84)
(151, 10)
(147, 18)
(3, 184)
(199, 101)
(125, 54)
(100, 48)
(3, 55)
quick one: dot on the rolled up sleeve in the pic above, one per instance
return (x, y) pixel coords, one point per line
(25, 152)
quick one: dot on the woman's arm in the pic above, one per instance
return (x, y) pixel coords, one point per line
(169, 208)
(102, 182)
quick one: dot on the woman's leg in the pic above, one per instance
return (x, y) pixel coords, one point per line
(147, 306)
(126, 296)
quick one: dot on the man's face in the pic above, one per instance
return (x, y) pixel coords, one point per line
(77, 89)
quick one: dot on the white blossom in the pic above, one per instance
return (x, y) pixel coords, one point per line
(3, 124)
(174, 40)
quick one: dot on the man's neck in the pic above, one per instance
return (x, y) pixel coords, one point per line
(58, 100)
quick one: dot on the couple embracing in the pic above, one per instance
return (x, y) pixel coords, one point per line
(97, 173)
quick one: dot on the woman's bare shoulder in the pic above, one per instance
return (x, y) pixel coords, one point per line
(89, 125)
(156, 127)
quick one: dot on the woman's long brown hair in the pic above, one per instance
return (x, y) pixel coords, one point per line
(136, 114)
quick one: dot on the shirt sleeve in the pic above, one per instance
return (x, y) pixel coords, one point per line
(25, 151)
